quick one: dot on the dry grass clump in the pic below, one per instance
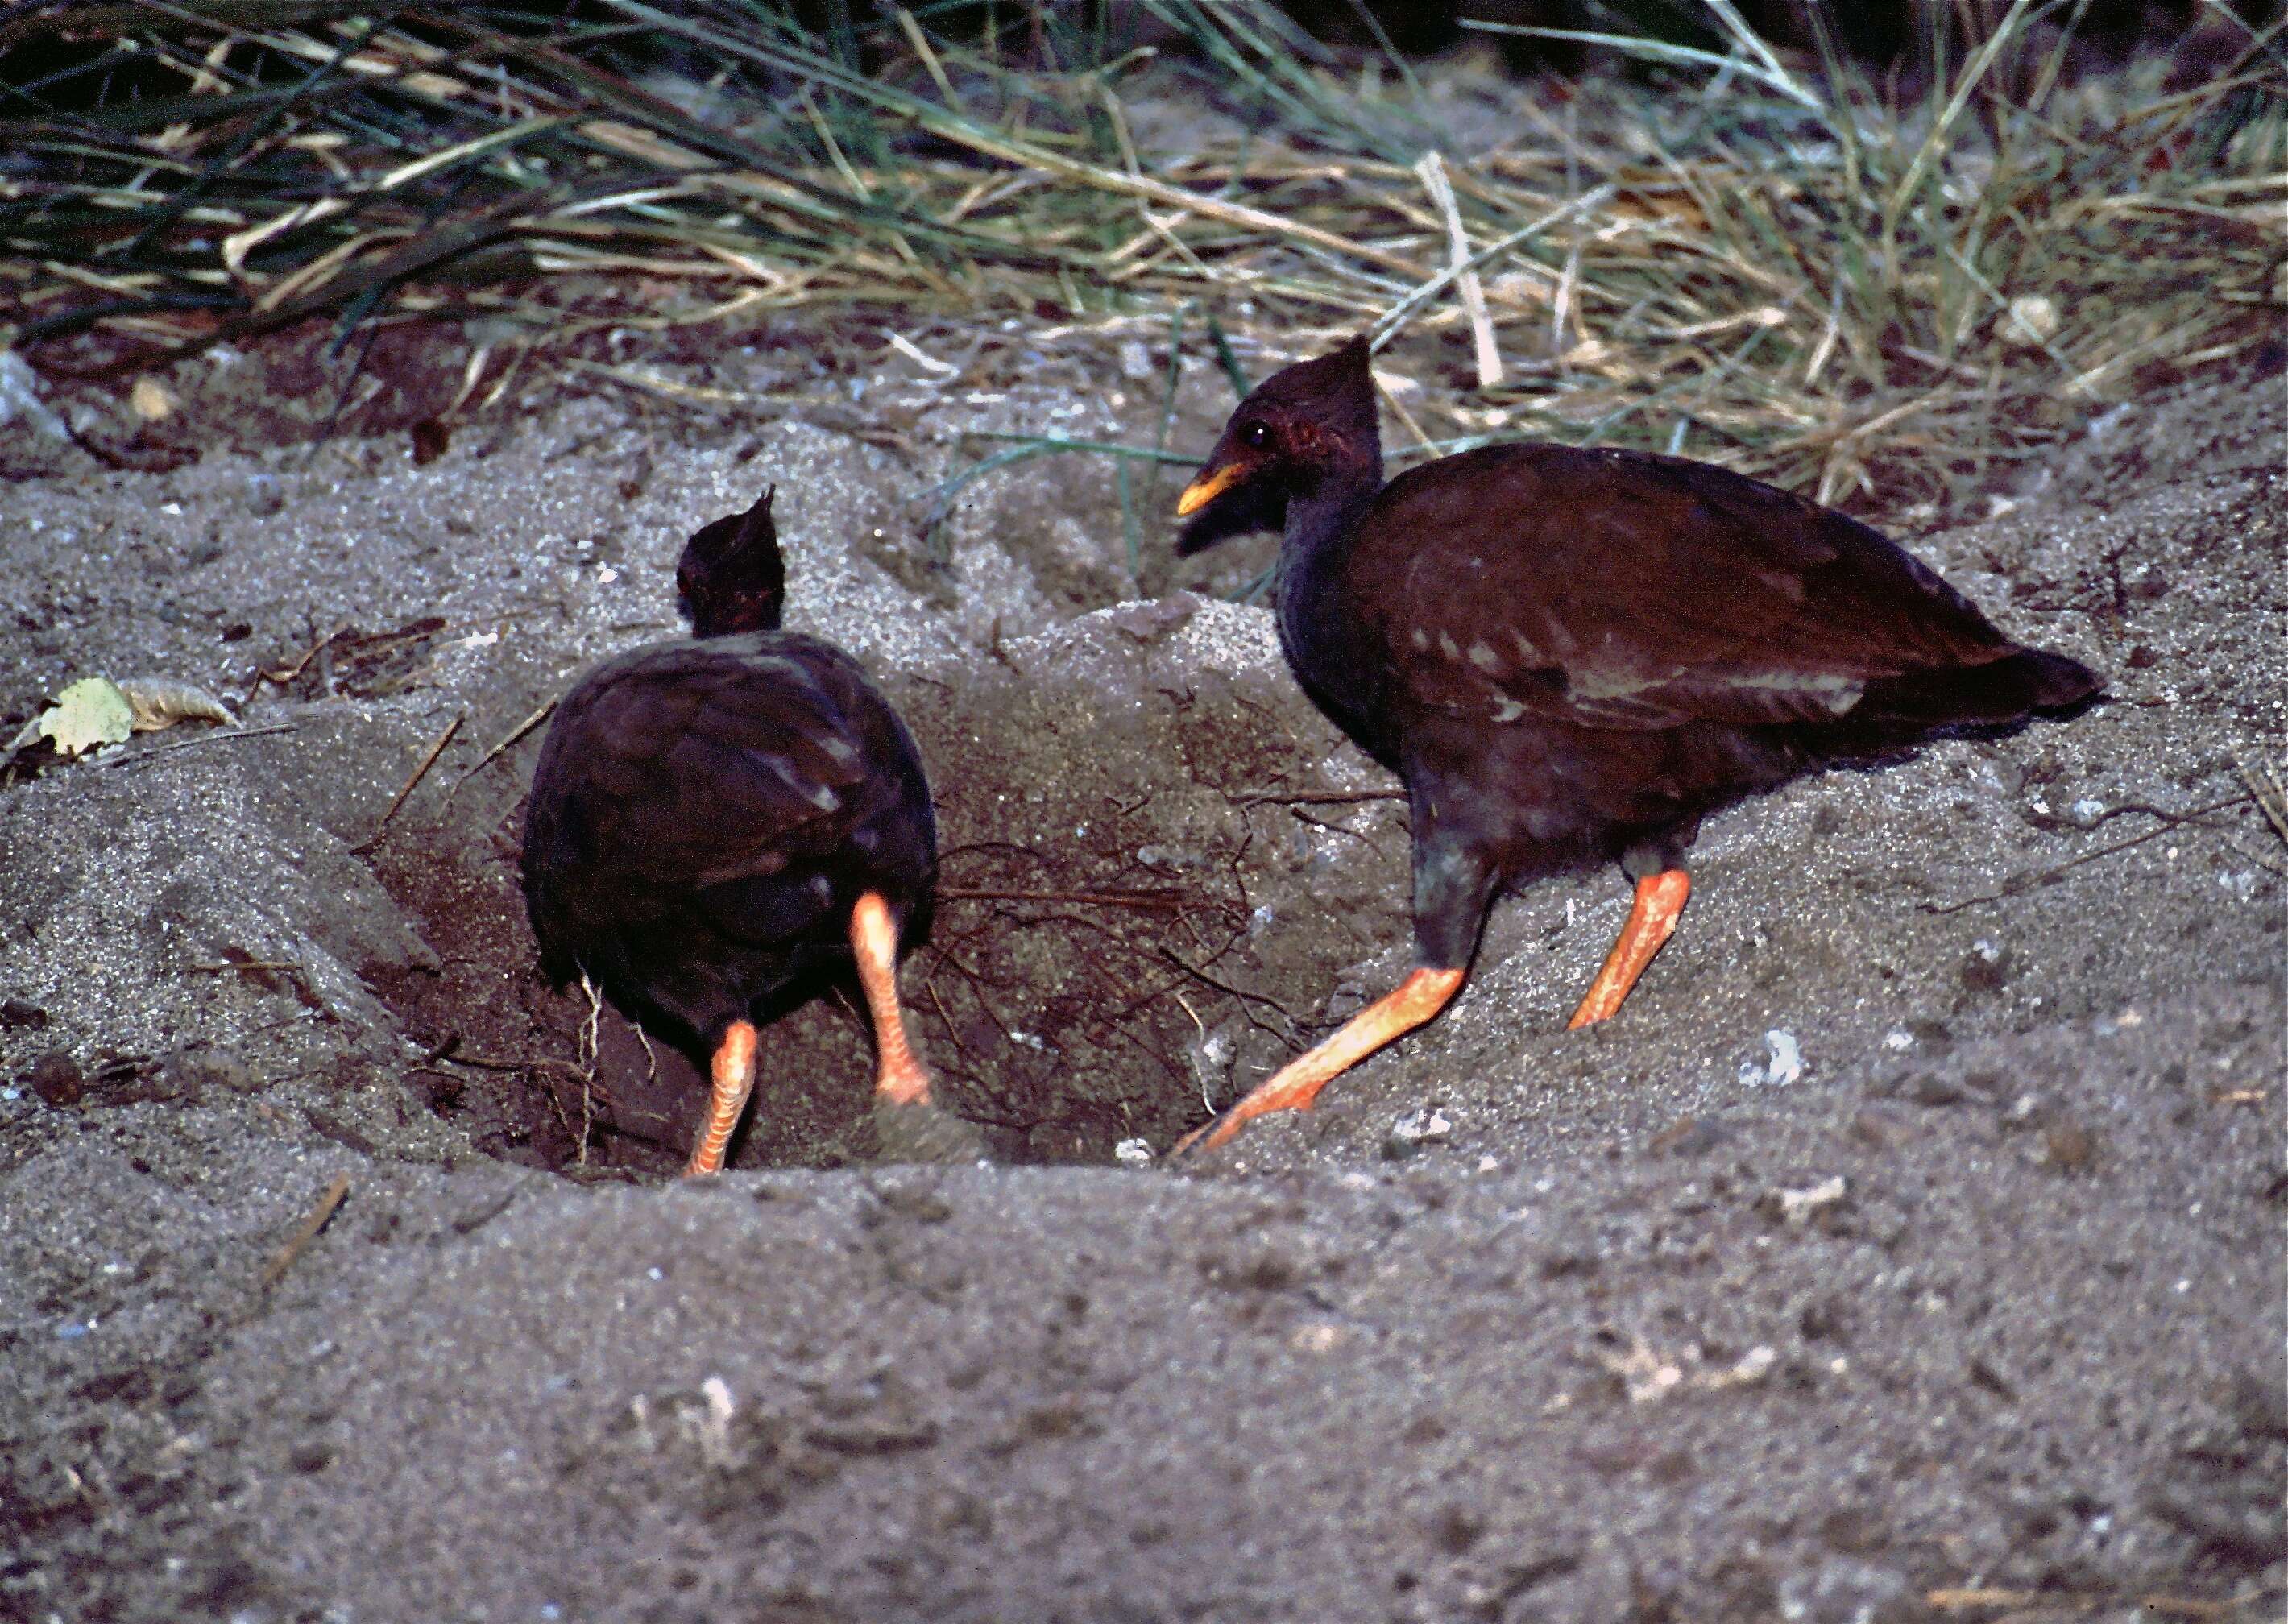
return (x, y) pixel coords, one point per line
(1759, 261)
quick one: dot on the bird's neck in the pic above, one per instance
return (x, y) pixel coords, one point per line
(1322, 514)
(1314, 623)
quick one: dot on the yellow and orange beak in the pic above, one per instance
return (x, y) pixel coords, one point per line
(1213, 480)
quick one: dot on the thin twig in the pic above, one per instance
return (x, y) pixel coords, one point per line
(2019, 884)
(2263, 781)
(1313, 797)
(407, 787)
(1166, 902)
(263, 674)
(283, 1260)
(220, 736)
(490, 755)
(490, 1063)
(1432, 171)
(1967, 1597)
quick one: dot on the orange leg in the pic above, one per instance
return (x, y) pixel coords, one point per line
(1296, 1085)
(874, 943)
(1652, 920)
(734, 1079)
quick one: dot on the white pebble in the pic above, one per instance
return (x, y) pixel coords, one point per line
(1425, 1126)
(1798, 1205)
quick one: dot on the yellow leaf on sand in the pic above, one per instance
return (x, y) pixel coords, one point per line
(90, 712)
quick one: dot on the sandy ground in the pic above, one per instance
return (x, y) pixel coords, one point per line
(1980, 1316)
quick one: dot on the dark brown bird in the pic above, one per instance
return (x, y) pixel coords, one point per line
(716, 823)
(1571, 656)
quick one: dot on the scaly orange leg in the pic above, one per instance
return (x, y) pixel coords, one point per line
(874, 943)
(734, 1079)
(1652, 920)
(1295, 1086)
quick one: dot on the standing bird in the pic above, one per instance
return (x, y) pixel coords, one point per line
(714, 823)
(1571, 656)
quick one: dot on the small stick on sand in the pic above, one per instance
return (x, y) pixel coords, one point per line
(336, 1192)
(1166, 902)
(223, 736)
(515, 733)
(287, 674)
(406, 789)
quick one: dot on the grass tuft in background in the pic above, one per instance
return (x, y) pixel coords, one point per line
(1760, 260)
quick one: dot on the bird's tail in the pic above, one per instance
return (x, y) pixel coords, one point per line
(2000, 691)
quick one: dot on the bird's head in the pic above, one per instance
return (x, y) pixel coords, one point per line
(1301, 428)
(730, 577)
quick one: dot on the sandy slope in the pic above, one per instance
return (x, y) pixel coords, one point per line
(1612, 1343)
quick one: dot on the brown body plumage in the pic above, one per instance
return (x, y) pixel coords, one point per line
(716, 823)
(1573, 656)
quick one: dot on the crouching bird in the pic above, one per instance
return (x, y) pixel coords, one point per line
(1571, 656)
(714, 823)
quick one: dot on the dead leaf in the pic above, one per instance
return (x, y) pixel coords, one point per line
(90, 712)
(161, 702)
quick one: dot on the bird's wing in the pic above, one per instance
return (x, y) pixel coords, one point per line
(711, 762)
(1617, 589)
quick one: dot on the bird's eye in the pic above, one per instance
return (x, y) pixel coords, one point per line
(1256, 434)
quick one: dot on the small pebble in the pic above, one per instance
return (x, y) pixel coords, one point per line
(1426, 1125)
(1132, 1153)
(17, 1012)
(2069, 1146)
(1689, 1137)
(56, 1078)
(1786, 1063)
(1423, 1125)
(1801, 1206)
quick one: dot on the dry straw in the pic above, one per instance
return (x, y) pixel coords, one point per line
(1755, 257)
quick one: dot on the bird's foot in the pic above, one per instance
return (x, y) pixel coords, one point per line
(1289, 1094)
(1295, 1086)
(1652, 920)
